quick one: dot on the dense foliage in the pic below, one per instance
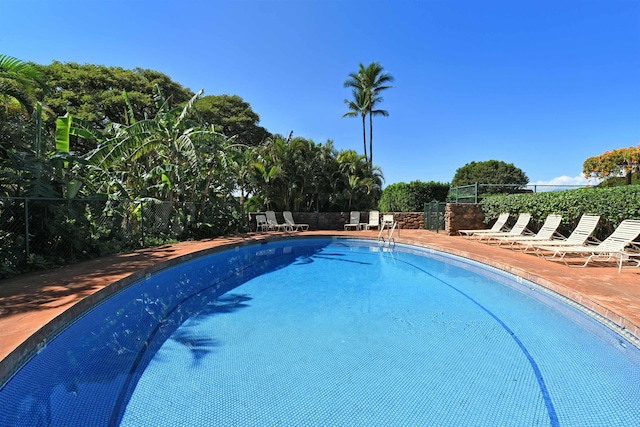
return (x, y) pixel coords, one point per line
(133, 158)
(613, 205)
(403, 197)
(490, 172)
(616, 181)
(615, 163)
(231, 116)
(300, 175)
(18, 83)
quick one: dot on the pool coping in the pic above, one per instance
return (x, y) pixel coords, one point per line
(11, 363)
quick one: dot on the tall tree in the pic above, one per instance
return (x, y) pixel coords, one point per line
(93, 93)
(372, 80)
(19, 81)
(359, 106)
(622, 161)
(491, 172)
(233, 117)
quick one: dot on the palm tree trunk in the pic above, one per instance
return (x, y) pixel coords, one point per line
(370, 140)
(364, 137)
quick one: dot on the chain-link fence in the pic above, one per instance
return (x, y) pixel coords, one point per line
(39, 233)
(474, 192)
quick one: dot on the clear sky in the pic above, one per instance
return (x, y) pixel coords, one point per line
(537, 83)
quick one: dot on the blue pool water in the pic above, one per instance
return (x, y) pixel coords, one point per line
(329, 332)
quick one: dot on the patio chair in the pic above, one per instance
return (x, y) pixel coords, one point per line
(374, 220)
(288, 219)
(496, 228)
(611, 247)
(546, 232)
(273, 222)
(578, 236)
(519, 229)
(261, 223)
(354, 221)
(387, 220)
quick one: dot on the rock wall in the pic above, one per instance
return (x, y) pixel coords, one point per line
(337, 220)
(463, 216)
(408, 220)
(458, 216)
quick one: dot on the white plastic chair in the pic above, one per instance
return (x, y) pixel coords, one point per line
(354, 221)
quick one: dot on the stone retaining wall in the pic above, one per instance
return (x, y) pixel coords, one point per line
(463, 216)
(458, 216)
(337, 220)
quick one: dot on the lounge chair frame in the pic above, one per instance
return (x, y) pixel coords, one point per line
(354, 221)
(578, 237)
(288, 219)
(519, 229)
(273, 222)
(546, 233)
(261, 223)
(374, 220)
(610, 248)
(497, 227)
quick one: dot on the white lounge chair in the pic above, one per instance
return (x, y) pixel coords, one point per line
(519, 229)
(578, 236)
(546, 233)
(611, 247)
(354, 221)
(374, 220)
(273, 222)
(261, 223)
(387, 220)
(496, 228)
(288, 218)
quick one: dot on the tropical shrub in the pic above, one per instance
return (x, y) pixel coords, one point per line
(612, 204)
(403, 197)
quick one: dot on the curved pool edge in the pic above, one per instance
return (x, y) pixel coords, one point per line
(11, 363)
(24, 351)
(609, 317)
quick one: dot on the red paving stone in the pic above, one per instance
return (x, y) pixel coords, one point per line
(34, 306)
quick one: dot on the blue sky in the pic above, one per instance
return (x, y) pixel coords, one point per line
(540, 84)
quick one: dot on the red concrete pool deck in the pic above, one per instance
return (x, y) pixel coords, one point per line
(33, 306)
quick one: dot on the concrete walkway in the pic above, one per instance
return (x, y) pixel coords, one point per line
(35, 306)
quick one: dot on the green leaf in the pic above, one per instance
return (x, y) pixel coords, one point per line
(73, 187)
(63, 126)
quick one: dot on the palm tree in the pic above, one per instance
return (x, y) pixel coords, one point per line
(359, 106)
(372, 80)
(18, 81)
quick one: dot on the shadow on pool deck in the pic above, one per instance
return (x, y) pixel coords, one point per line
(31, 301)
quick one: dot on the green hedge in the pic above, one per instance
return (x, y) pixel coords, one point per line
(403, 197)
(612, 204)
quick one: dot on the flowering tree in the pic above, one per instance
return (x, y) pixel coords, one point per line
(623, 161)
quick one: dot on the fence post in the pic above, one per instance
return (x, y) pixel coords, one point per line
(476, 194)
(26, 227)
(424, 219)
(142, 223)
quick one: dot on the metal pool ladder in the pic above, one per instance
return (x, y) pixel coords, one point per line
(387, 224)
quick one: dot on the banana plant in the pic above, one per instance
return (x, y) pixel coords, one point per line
(158, 156)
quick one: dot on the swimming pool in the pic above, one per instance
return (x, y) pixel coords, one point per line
(330, 332)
